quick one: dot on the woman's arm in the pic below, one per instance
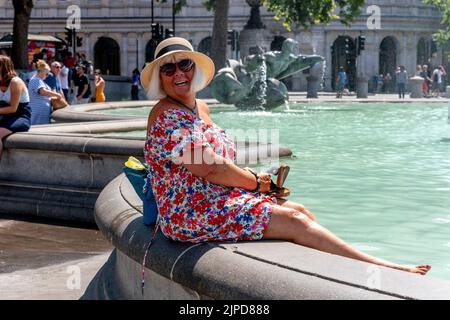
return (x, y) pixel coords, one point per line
(101, 84)
(48, 93)
(205, 163)
(17, 87)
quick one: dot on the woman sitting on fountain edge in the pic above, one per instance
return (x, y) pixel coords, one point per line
(208, 197)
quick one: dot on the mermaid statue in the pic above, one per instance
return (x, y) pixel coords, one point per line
(255, 83)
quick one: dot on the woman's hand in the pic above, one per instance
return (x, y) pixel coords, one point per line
(264, 182)
(263, 178)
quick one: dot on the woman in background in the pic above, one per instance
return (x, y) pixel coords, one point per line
(40, 95)
(15, 112)
(99, 86)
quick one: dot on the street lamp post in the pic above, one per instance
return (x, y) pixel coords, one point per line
(173, 16)
(152, 11)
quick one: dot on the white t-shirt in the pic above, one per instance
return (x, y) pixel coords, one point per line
(63, 77)
(438, 75)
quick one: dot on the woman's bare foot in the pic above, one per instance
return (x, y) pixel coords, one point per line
(422, 270)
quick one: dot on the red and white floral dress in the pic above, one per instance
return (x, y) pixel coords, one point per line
(191, 208)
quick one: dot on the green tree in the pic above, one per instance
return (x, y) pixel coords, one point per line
(307, 13)
(443, 35)
(292, 12)
(22, 13)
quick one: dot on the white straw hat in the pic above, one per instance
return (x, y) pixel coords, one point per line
(204, 66)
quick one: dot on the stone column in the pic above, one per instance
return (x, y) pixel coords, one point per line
(124, 55)
(254, 33)
(141, 50)
(314, 80)
(87, 47)
(447, 95)
(415, 84)
(250, 38)
(362, 87)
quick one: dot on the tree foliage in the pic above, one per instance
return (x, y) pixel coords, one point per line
(443, 35)
(307, 13)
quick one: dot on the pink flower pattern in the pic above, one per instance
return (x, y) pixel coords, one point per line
(191, 208)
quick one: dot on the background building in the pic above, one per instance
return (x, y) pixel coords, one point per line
(116, 34)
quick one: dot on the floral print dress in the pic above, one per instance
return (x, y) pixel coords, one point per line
(191, 208)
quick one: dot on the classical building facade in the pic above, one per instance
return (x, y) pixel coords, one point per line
(116, 33)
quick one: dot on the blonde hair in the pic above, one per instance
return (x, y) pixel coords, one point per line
(198, 79)
(42, 66)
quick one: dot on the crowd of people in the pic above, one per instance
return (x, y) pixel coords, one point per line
(433, 85)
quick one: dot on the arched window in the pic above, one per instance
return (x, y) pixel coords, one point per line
(343, 55)
(107, 56)
(388, 56)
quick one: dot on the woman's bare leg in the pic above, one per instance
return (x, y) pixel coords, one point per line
(292, 225)
(3, 133)
(296, 206)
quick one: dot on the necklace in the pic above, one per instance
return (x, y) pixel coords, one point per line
(193, 110)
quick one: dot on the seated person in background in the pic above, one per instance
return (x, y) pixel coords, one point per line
(40, 95)
(15, 112)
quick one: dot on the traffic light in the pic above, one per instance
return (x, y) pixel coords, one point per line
(232, 39)
(169, 33)
(155, 31)
(361, 44)
(347, 46)
(79, 41)
(69, 36)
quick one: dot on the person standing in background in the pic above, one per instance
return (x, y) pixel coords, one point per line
(438, 83)
(64, 80)
(401, 78)
(135, 81)
(53, 78)
(341, 81)
(99, 86)
(425, 74)
(82, 84)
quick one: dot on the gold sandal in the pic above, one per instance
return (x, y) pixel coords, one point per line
(277, 190)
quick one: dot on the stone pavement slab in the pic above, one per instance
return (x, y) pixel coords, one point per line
(66, 281)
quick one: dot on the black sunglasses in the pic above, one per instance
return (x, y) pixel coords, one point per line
(184, 65)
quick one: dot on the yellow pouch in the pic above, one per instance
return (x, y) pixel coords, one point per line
(134, 164)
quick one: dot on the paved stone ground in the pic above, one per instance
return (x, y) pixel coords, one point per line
(66, 281)
(48, 259)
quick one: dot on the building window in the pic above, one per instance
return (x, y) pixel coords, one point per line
(107, 56)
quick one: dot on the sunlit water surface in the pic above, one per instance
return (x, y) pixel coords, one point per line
(377, 175)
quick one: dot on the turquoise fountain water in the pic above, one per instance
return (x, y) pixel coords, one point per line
(377, 175)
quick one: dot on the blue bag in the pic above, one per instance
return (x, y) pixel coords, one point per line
(137, 173)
